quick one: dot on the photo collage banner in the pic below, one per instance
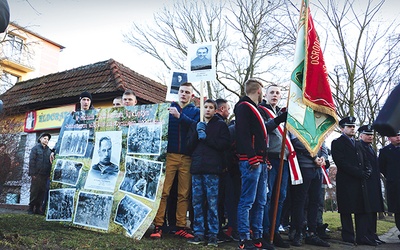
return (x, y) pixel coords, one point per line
(108, 172)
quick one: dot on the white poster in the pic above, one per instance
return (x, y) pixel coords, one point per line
(201, 62)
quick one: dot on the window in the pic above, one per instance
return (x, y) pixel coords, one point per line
(7, 81)
(13, 47)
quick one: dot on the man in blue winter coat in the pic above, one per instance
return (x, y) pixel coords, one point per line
(181, 116)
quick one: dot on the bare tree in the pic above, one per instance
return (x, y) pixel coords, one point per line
(247, 33)
(364, 72)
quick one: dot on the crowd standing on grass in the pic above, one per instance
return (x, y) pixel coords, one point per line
(224, 172)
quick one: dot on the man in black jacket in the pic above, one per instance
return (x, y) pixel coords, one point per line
(389, 163)
(353, 169)
(39, 170)
(366, 135)
(251, 146)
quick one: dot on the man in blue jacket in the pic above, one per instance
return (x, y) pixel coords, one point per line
(181, 117)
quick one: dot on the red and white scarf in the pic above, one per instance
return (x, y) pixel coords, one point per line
(295, 173)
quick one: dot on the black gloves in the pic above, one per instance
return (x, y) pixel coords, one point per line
(366, 174)
(281, 118)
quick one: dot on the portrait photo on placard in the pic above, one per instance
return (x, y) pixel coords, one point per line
(104, 171)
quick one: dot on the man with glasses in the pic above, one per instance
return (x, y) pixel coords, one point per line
(353, 169)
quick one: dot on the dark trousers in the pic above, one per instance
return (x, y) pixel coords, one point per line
(361, 222)
(37, 191)
(397, 220)
(311, 186)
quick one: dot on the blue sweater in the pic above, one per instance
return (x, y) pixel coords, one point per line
(178, 128)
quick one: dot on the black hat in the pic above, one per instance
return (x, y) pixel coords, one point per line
(366, 129)
(347, 121)
(42, 135)
(85, 94)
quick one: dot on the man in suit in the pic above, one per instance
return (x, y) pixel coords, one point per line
(389, 164)
(353, 169)
(366, 136)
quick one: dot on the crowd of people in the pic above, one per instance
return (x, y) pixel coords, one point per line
(235, 175)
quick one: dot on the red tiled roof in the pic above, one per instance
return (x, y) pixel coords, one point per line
(104, 80)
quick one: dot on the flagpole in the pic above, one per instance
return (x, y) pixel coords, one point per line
(277, 185)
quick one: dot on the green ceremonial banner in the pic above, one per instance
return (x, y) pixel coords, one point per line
(108, 172)
(311, 110)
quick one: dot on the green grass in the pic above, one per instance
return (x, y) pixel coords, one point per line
(333, 219)
(22, 231)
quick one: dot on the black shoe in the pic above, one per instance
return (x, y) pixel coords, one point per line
(197, 240)
(212, 242)
(297, 239)
(223, 237)
(316, 241)
(321, 232)
(366, 241)
(263, 244)
(246, 244)
(279, 242)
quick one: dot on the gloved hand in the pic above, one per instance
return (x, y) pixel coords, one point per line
(366, 174)
(281, 118)
(201, 130)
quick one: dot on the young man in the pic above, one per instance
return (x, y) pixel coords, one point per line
(181, 116)
(129, 98)
(201, 61)
(207, 141)
(274, 113)
(39, 170)
(389, 164)
(251, 147)
(117, 102)
(366, 135)
(353, 169)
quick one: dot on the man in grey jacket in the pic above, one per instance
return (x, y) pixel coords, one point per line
(39, 170)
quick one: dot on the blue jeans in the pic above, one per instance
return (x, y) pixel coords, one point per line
(205, 191)
(269, 209)
(252, 201)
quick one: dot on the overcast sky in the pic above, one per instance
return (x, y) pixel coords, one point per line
(90, 30)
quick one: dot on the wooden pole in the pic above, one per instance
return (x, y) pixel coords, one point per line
(201, 101)
(277, 187)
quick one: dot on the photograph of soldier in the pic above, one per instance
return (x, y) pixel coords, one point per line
(131, 214)
(177, 79)
(144, 139)
(141, 177)
(74, 143)
(93, 210)
(67, 172)
(104, 173)
(61, 204)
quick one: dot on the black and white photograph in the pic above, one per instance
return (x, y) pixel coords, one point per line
(131, 214)
(141, 177)
(93, 210)
(61, 204)
(67, 172)
(144, 139)
(74, 143)
(177, 78)
(103, 173)
(201, 62)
